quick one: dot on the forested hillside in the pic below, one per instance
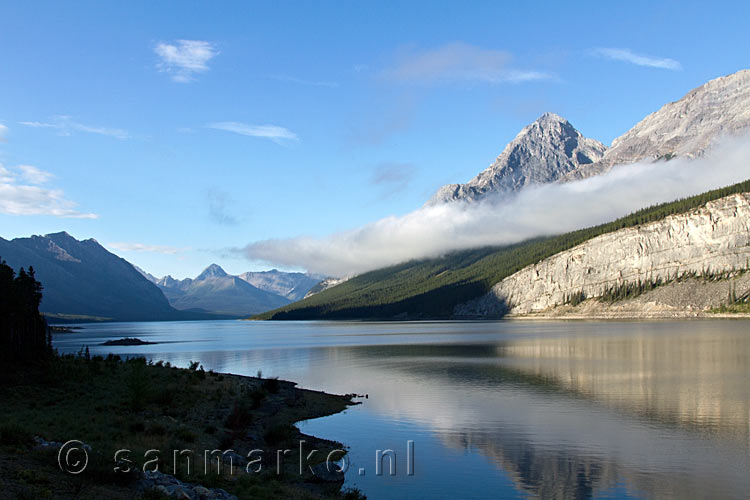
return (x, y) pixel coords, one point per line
(431, 288)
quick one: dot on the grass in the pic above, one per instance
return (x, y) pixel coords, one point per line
(741, 308)
(431, 288)
(111, 404)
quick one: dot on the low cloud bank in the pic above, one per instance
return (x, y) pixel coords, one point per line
(536, 211)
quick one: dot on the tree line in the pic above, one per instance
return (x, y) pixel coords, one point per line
(24, 334)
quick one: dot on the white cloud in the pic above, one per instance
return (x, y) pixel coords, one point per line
(17, 198)
(6, 175)
(459, 61)
(66, 126)
(629, 56)
(3, 132)
(142, 247)
(543, 210)
(185, 58)
(34, 175)
(273, 132)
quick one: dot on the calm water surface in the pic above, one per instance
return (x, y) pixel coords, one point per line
(503, 409)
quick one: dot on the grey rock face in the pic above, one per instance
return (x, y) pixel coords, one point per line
(687, 127)
(293, 286)
(544, 151)
(325, 285)
(714, 238)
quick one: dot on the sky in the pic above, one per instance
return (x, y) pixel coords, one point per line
(176, 133)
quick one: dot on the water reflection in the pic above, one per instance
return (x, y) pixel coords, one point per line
(556, 410)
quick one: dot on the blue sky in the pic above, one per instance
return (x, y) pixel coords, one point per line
(173, 132)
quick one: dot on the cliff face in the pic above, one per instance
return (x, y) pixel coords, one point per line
(715, 237)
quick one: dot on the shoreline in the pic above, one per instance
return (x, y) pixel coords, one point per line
(111, 405)
(626, 316)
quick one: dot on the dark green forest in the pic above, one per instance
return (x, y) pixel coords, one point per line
(431, 288)
(24, 335)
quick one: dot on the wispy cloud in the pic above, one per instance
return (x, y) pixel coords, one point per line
(456, 62)
(65, 125)
(34, 175)
(219, 207)
(22, 194)
(627, 55)
(3, 132)
(302, 81)
(142, 247)
(274, 132)
(536, 211)
(183, 59)
(392, 177)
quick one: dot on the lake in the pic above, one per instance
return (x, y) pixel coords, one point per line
(505, 409)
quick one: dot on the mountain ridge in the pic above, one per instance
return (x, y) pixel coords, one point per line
(686, 127)
(84, 280)
(544, 151)
(216, 291)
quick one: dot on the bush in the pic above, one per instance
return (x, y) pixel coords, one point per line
(277, 434)
(138, 386)
(272, 385)
(185, 435)
(240, 416)
(11, 433)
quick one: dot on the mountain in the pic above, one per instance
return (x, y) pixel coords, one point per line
(215, 291)
(434, 288)
(687, 127)
(83, 279)
(148, 276)
(544, 151)
(552, 150)
(293, 286)
(324, 284)
(710, 244)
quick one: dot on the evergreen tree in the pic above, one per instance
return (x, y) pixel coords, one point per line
(24, 334)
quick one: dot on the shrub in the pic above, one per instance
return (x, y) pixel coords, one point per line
(272, 385)
(138, 386)
(277, 434)
(12, 433)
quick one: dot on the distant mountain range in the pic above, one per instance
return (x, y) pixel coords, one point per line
(213, 290)
(552, 150)
(293, 286)
(83, 280)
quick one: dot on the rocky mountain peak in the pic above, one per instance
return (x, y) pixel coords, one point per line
(687, 127)
(212, 271)
(544, 151)
(549, 119)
